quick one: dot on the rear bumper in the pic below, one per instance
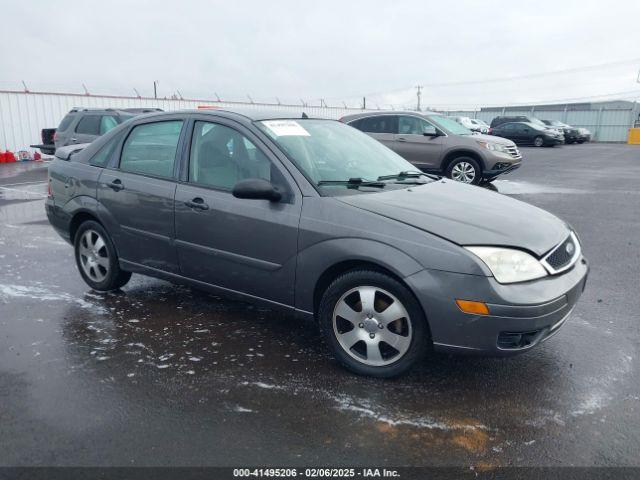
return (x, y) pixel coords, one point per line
(59, 220)
(521, 316)
(47, 149)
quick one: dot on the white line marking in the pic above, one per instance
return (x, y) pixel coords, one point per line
(23, 183)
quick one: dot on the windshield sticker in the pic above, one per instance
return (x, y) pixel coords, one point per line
(286, 128)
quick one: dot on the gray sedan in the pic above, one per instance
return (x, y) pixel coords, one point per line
(320, 220)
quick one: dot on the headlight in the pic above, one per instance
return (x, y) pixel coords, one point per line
(509, 265)
(496, 147)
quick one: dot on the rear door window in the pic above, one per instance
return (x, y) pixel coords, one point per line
(380, 124)
(89, 125)
(103, 156)
(150, 148)
(66, 121)
(107, 122)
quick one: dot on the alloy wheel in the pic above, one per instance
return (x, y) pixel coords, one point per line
(372, 326)
(94, 256)
(463, 172)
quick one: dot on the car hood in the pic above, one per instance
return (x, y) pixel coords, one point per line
(467, 215)
(494, 139)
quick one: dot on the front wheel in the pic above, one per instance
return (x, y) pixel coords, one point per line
(373, 324)
(538, 142)
(465, 170)
(97, 259)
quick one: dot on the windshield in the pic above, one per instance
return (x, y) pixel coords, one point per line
(449, 124)
(327, 150)
(539, 122)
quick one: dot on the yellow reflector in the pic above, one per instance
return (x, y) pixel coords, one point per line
(477, 308)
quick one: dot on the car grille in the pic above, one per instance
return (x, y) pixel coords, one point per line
(514, 152)
(563, 256)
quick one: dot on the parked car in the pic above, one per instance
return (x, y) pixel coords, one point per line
(526, 133)
(315, 218)
(83, 125)
(473, 124)
(438, 144)
(585, 135)
(497, 121)
(571, 134)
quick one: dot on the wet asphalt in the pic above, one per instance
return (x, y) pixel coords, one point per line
(159, 374)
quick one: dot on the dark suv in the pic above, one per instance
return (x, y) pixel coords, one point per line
(84, 125)
(317, 219)
(525, 133)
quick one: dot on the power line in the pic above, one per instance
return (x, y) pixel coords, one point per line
(508, 78)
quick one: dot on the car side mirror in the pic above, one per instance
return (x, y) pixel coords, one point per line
(431, 132)
(256, 189)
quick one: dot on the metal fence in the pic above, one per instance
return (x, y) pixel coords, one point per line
(605, 124)
(24, 114)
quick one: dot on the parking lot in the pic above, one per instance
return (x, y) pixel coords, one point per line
(167, 375)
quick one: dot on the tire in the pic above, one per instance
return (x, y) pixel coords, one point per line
(369, 350)
(538, 141)
(96, 258)
(581, 141)
(459, 170)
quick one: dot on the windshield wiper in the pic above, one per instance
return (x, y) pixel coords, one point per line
(408, 174)
(354, 182)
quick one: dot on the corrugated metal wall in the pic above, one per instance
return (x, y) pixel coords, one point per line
(23, 115)
(605, 125)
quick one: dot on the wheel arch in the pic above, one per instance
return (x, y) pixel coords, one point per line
(342, 267)
(461, 152)
(78, 219)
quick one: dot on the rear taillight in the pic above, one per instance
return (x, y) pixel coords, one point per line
(55, 136)
(49, 190)
(490, 131)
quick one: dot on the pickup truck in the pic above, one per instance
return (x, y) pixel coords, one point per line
(47, 147)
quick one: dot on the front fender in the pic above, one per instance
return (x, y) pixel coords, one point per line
(316, 259)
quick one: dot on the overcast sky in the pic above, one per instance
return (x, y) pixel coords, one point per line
(337, 50)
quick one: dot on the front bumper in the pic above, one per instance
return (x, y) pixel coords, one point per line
(500, 169)
(521, 315)
(553, 140)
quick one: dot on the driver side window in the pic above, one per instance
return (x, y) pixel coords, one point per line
(414, 126)
(220, 157)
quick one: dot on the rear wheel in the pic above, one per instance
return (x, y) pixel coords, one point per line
(465, 170)
(538, 141)
(373, 324)
(96, 258)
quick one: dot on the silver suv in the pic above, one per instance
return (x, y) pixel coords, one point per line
(438, 144)
(84, 125)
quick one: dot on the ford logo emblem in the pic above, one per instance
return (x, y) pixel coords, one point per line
(569, 248)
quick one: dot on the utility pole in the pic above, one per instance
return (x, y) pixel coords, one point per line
(418, 94)
(155, 89)
(364, 103)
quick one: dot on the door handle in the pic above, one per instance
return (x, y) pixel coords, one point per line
(74, 139)
(197, 204)
(401, 139)
(116, 185)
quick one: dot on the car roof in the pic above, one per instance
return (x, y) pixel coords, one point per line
(244, 114)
